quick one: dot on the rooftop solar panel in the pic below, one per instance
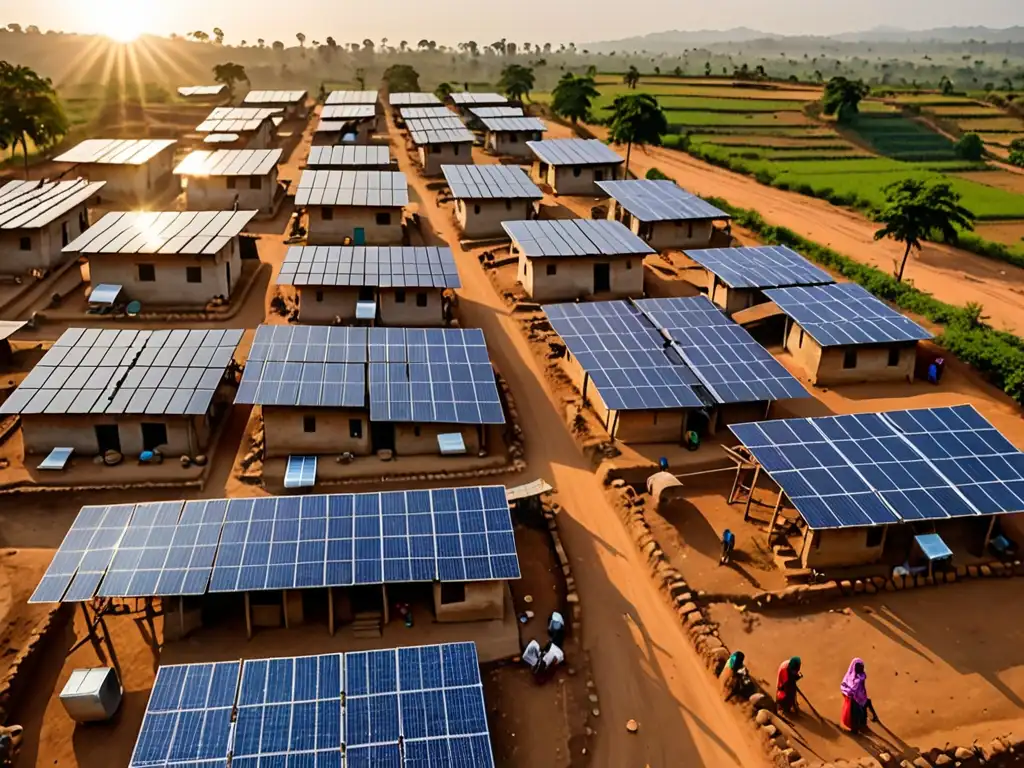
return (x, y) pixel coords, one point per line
(383, 267)
(352, 97)
(514, 124)
(191, 232)
(9, 327)
(766, 266)
(422, 137)
(230, 162)
(422, 113)
(659, 200)
(477, 182)
(503, 111)
(201, 90)
(348, 112)
(464, 98)
(372, 189)
(412, 98)
(366, 156)
(845, 313)
(275, 97)
(574, 152)
(116, 151)
(447, 123)
(57, 459)
(237, 119)
(34, 204)
(574, 237)
(105, 293)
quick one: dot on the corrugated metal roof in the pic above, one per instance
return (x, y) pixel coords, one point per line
(352, 97)
(422, 113)
(410, 98)
(201, 90)
(348, 111)
(489, 182)
(275, 97)
(116, 151)
(364, 189)
(357, 154)
(33, 204)
(466, 98)
(357, 266)
(659, 200)
(9, 327)
(236, 119)
(504, 111)
(230, 162)
(191, 232)
(574, 152)
(513, 124)
(450, 123)
(575, 237)
(443, 136)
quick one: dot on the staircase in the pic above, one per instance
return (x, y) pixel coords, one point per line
(367, 625)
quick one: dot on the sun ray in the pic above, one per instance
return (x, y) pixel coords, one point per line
(82, 62)
(161, 61)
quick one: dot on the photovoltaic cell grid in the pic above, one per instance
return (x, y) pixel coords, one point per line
(766, 266)
(496, 111)
(448, 122)
(33, 204)
(412, 99)
(465, 98)
(422, 113)
(357, 266)
(275, 97)
(116, 151)
(627, 359)
(190, 233)
(514, 124)
(230, 162)
(300, 472)
(236, 119)
(723, 355)
(127, 372)
(475, 182)
(659, 200)
(422, 137)
(845, 313)
(575, 237)
(574, 152)
(351, 97)
(348, 112)
(878, 468)
(349, 157)
(374, 189)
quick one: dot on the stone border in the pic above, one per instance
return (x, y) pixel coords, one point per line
(19, 674)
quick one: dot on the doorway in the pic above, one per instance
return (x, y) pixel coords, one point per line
(227, 269)
(382, 436)
(359, 236)
(108, 438)
(154, 435)
(64, 237)
(602, 278)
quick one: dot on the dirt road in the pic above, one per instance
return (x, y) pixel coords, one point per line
(950, 274)
(644, 666)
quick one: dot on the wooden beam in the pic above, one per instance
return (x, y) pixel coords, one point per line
(284, 607)
(988, 535)
(330, 610)
(775, 514)
(387, 612)
(248, 617)
(750, 495)
(735, 484)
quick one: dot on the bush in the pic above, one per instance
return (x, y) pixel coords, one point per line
(970, 147)
(656, 175)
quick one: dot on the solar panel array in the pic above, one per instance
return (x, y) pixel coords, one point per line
(33, 204)
(417, 706)
(116, 151)
(422, 113)
(513, 124)
(342, 157)
(574, 152)
(574, 237)
(504, 111)
(659, 200)
(465, 98)
(373, 189)
(412, 98)
(351, 97)
(479, 182)
(448, 123)
(127, 372)
(898, 466)
(230, 162)
(445, 136)
(236, 119)
(201, 90)
(287, 542)
(190, 233)
(845, 313)
(348, 112)
(385, 267)
(765, 266)
(725, 357)
(275, 97)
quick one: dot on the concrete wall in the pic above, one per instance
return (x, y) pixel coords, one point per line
(665, 235)
(482, 218)
(421, 439)
(286, 435)
(732, 299)
(45, 243)
(432, 157)
(347, 219)
(484, 601)
(826, 367)
(408, 313)
(43, 432)
(150, 181)
(171, 287)
(214, 193)
(574, 179)
(574, 277)
(512, 143)
(839, 547)
(321, 305)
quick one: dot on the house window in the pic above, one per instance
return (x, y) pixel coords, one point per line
(452, 592)
(366, 293)
(435, 149)
(25, 243)
(850, 358)
(319, 295)
(476, 208)
(147, 273)
(193, 274)
(598, 175)
(255, 183)
(327, 214)
(874, 536)
(800, 343)
(230, 182)
(513, 138)
(508, 205)
(154, 435)
(421, 299)
(355, 429)
(552, 269)
(416, 430)
(399, 295)
(455, 149)
(894, 357)
(309, 423)
(689, 229)
(576, 171)
(629, 263)
(383, 219)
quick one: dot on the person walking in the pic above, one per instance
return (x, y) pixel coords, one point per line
(732, 676)
(856, 703)
(728, 545)
(786, 688)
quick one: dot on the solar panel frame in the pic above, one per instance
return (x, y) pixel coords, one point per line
(412, 98)
(348, 112)
(558, 152)
(501, 111)
(230, 162)
(193, 233)
(35, 204)
(352, 97)
(575, 237)
(300, 472)
(766, 266)
(490, 182)
(276, 97)
(660, 200)
(360, 189)
(237, 120)
(422, 113)
(523, 124)
(482, 98)
(363, 156)
(379, 267)
(116, 151)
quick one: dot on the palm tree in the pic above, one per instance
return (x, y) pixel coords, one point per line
(301, 38)
(636, 119)
(199, 36)
(403, 45)
(632, 77)
(516, 81)
(229, 73)
(573, 96)
(443, 91)
(916, 209)
(29, 110)
(218, 36)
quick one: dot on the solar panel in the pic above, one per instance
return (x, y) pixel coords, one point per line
(57, 459)
(422, 137)
(514, 124)
(275, 97)
(475, 182)
(33, 204)
(408, 99)
(659, 200)
(127, 372)
(172, 232)
(446, 123)
(504, 111)
(373, 189)
(845, 313)
(574, 237)
(201, 90)
(300, 472)
(466, 97)
(221, 138)
(451, 444)
(421, 113)
(230, 162)
(366, 310)
(10, 327)
(237, 119)
(725, 357)
(766, 266)
(116, 151)
(348, 112)
(625, 356)
(574, 152)
(104, 293)
(361, 156)
(352, 97)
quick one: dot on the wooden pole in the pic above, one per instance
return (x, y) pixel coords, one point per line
(988, 535)
(248, 617)
(387, 612)
(735, 484)
(750, 495)
(775, 514)
(330, 610)
(284, 607)
(181, 618)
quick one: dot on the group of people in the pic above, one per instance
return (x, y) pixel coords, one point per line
(542, 661)
(857, 705)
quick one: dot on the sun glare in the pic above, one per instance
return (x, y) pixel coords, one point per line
(121, 20)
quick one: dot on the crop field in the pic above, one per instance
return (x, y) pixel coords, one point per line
(1001, 139)
(967, 111)
(994, 125)
(830, 141)
(901, 138)
(680, 121)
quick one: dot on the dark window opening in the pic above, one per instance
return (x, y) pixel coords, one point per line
(801, 342)
(327, 214)
(598, 175)
(255, 183)
(25, 243)
(64, 235)
(576, 171)
(194, 274)
(455, 149)
(552, 269)
(319, 295)
(421, 299)
(689, 229)
(366, 293)
(894, 357)
(850, 358)
(147, 273)
(108, 438)
(230, 182)
(513, 138)
(154, 435)
(508, 205)
(400, 296)
(383, 219)
(309, 423)
(629, 264)
(452, 592)
(476, 208)
(874, 536)
(416, 430)
(355, 429)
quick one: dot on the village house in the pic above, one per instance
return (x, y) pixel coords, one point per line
(391, 286)
(251, 127)
(665, 216)
(566, 259)
(487, 195)
(345, 124)
(841, 334)
(438, 144)
(509, 135)
(136, 171)
(246, 178)
(464, 101)
(170, 259)
(333, 108)
(475, 115)
(574, 166)
(127, 391)
(424, 113)
(292, 104)
(353, 207)
(203, 94)
(411, 99)
(38, 218)
(372, 157)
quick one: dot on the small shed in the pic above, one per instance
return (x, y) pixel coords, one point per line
(487, 195)
(292, 104)
(574, 166)
(440, 141)
(136, 171)
(565, 259)
(348, 157)
(405, 285)
(38, 218)
(253, 127)
(346, 124)
(221, 180)
(665, 215)
(510, 135)
(353, 207)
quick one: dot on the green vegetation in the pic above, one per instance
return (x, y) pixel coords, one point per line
(1017, 152)
(902, 138)
(637, 119)
(631, 78)
(401, 78)
(842, 97)
(573, 97)
(228, 74)
(30, 112)
(443, 90)
(516, 81)
(970, 147)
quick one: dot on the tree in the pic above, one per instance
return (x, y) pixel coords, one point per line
(573, 96)
(29, 110)
(946, 85)
(916, 209)
(261, 42)
(970, 147)
(1017, 152)
(443, 91)
(278, 46)
(360, 75)
(199, 36)
(301, 37)
(403, 45)
(636, 119)
(401, 78)
(632, 77)
(230, 73)
(15, 28)
(218, 36)
(423, 44)
(842, 97)
(592, 71)
(677, 72)
(368, 45)
(516, 81)
(707, 69)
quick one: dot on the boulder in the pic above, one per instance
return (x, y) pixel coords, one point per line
(200, 460)
(112, 458)
(943, 760)
(963, 753)
(763, 717)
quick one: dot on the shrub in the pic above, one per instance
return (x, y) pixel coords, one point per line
(970, 147)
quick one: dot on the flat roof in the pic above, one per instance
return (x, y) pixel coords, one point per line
(230, 162)
(201, 90)
(445, 136)
(575, 237)
(574, 152)
(364, 189)
(513, 124)
(448, 123)
(765, 266)
(468, 97)
(352, 97)
(89, 371)
(172, 232)
(477, 182)
(411, 98)
(10, 327)
(275, 97)
(355, 154)
(659, 200)
(420, 113)
(348, 112)
(236, 119)
(116, 151)
(34, 204)
(384, 267)
(502, 111)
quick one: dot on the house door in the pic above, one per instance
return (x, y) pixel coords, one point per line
(64, 233)
(382, 436)
(359, 236)
(154, 435)
(108, 438)
(602, 278)
(227, 269)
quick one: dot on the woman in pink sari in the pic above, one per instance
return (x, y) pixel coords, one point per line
(856, 703)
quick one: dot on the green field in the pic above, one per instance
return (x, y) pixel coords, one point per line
(998, 125)
(901, 138)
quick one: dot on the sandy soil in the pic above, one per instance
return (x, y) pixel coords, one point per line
(1008, 232)
(1014, 182)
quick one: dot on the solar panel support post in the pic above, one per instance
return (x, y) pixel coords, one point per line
(181, 614)
(775, 515)
(750, 493)
(248, 618)
(387, 613)
(284, 607)
(330, 610)
(988, 534)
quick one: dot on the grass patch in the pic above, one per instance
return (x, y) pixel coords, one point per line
(901, 138)
(993, 125)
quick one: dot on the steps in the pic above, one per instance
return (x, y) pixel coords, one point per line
(367, 625)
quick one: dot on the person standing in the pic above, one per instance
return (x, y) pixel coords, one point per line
(856, 703)
(728, 545)
(786, 688)
(732, 675)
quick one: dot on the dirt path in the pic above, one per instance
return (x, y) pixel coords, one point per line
(644, 666)
(950, 274)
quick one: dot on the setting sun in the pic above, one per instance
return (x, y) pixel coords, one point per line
(121, 20)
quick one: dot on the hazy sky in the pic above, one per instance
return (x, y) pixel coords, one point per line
(449, 21)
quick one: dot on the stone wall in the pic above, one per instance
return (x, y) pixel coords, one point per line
(19, 674)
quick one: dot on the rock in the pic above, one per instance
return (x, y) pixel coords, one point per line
(943, 760)
(985, 571)
(972, 571)
(884, 758)
(920, 762)
(385, 454)
(846, 586)
(112, 458)
(686, 608)
(632, 726)
(200, 460)
(758, 701)
(97, 460)
(890, 587)
(858, 586)
(186, 462)
(963, 753)
(763, 717)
